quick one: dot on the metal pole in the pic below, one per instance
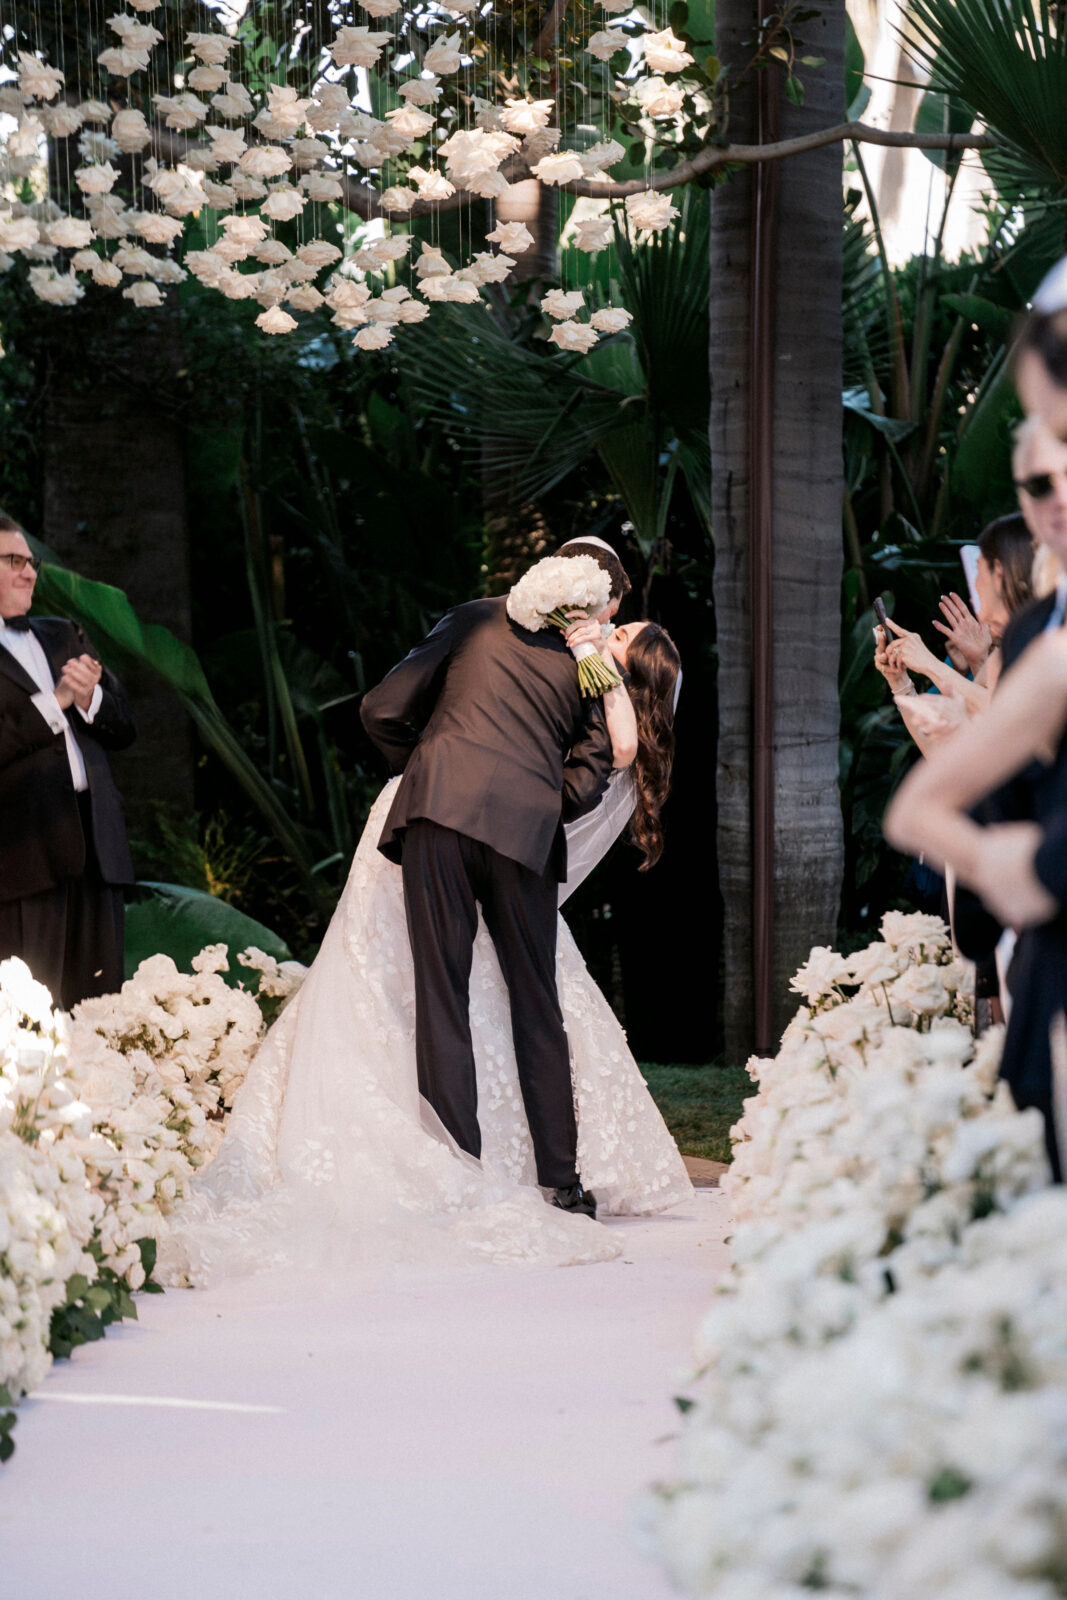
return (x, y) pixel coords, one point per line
(761, 528)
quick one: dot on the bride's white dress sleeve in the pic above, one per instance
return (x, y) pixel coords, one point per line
(331, 1158)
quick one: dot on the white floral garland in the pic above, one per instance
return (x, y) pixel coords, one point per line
(881, 1406)
(104, 1118)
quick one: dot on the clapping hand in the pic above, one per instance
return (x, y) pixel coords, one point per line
(969, 640)
(78, 679)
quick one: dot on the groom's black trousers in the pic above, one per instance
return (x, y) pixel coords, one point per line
(446, 876)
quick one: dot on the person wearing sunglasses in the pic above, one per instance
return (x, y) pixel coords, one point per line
(64, 856)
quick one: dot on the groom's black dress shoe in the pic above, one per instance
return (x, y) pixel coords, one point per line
(582, 1202)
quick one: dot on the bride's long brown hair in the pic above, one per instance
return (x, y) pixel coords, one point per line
(653, 663)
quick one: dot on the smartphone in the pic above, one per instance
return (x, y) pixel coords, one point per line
(969, 558)
(880, 613)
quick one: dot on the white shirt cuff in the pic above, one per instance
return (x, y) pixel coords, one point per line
(50, 709)
(94, 705)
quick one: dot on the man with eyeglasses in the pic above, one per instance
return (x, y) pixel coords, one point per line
(64, 857)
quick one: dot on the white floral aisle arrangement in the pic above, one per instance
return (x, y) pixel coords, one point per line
(881, 1405)
(104, 1119)
(551, 594)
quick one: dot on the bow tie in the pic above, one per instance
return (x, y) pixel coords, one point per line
(20, 624)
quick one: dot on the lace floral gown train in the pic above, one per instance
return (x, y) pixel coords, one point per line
(331, 1157)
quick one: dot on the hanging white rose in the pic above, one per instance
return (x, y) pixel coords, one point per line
(318, 253)
(455, 289)
(305, 298)
(134, 261)
(444, 55)
(166, 270)
(526, 116)
(431, 263)
(228, 143)
(130, 131)
(511, 236)
(109, 215)
(308, 152)
(321, 187)
(665, 53)
(18, 233)
(431, 185)
(490, 185)
(611, 319)
(463, 8)
(366, 154)
(134, 35)
(398, 199)
(382, 251)
(104, 272)
(413, 311)
(598, 157)
(283, 202)
(489, 268)
(219, 196)
(606, 43)
(561, 304)
(562, 168)
(359, 125)
(658, 98)
(436, 287)
(344, 294)
(154, 228)
(62, 120)
(374, 337)
(95, 111)
(573, 336)
(210, 47)
(650, 211)
(144, 295)
(285, 105)
(96, 146)
(410, 121)
(358, 47)
(145, 6)
(182, 111)
(206, 80)
(69, 233)
(273, 253)
(201, 158)
(593, 233)
(265, 161)
(236, 285)
(276, 321)
(421, 91)
(245, 187)
(37, 80)
(122, 62)
(57, 289)
(249, 231)
(233, 102)
(380, 8)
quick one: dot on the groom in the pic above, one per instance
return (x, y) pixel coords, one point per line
(497, 750)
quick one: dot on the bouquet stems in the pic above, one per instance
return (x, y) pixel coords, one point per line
(595, 675)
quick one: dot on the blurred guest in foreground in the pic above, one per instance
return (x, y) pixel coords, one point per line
(63, 851)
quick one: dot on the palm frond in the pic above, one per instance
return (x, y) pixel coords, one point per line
(1007, 61)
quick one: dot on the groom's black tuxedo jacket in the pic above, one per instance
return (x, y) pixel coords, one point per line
(508, 749)
(42, 843)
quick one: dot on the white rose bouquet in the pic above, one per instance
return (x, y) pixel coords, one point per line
(553, 594)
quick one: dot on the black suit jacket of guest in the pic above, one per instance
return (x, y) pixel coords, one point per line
(508, 749)
(42, 843)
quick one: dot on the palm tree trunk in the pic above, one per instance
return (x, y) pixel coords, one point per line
(796, 472)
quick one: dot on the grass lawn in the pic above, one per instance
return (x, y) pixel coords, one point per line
(700, 1104)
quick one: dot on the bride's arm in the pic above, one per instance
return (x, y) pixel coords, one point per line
(618, 708)
(1026, 719)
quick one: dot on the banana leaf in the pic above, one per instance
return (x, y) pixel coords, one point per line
(170, 919)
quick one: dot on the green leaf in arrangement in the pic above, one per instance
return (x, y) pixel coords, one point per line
(794, 91)
(943, 113)
(171, 919)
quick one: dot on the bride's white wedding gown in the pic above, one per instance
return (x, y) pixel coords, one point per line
(331, 1157)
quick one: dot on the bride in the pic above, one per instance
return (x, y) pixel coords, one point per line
(332, 1158)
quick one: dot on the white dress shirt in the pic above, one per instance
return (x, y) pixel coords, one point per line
(29, 653)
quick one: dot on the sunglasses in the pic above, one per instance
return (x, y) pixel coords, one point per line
(17, 562)
(1039, 486)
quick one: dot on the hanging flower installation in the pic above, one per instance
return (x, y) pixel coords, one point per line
(398, 111)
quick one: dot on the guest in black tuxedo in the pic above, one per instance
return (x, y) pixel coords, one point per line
(63, 852)
(497, 750)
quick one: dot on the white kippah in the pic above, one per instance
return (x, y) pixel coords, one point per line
(1051, 294)
(592, 539)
